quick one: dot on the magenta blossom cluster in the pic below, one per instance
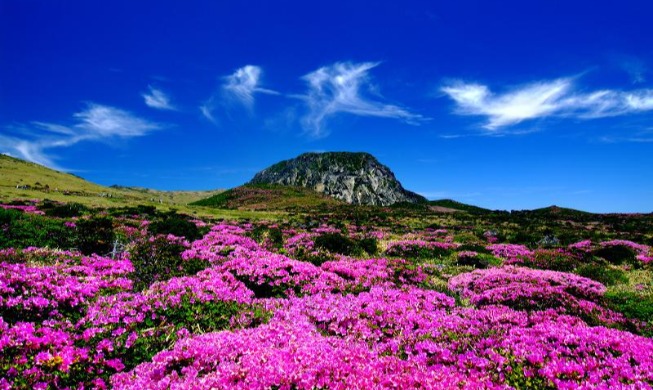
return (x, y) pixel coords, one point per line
(362, 274)
(345, 324)
(216, 246)
(283, 355)
(511, 253)
(528, 289)
(401, 338)
(273, 274)
(126, 308)
(63, 288)
(29, 209)
(300, 243)
(49, 356)
(583, 246)
(263, 269)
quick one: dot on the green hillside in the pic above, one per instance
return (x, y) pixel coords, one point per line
(556, 213)
(452, 204)
(25, 180)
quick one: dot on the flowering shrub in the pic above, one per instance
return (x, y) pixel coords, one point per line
(60, 290)
(581, 246)
(302, 246)
(48, 355)
(42, 293)
(282, 355)
(29, 209)
(511, 253)
(272, 275)
(362, 274)
(219, 243)
(528, 289)
(135, 326)
(226, 311)
(390, 338)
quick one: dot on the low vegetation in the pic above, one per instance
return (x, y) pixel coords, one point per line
(322, 295)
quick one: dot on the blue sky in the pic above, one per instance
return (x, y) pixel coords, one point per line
(506, 105)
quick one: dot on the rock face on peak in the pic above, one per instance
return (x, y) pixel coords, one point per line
(357, 178)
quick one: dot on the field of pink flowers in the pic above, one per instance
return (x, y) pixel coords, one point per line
(260, 314)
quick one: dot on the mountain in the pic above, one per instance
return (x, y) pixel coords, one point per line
(356, 178)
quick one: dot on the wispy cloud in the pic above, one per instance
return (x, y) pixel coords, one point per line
(339, 88)
(543, 99)
(528, 102)
(35, 141)
(645, 136)
(158, 99)
(239, 87)
(244, 83)
(207, 111)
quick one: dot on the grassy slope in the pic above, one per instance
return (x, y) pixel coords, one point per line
(560, 212)
(46, 183)
(452, 204)
(267, 197)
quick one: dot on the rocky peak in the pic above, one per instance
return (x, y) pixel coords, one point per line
(357, 178)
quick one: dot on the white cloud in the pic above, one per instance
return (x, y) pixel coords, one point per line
(207, 111)
(528, 102)
(338, 89)
(95, 123)
(158, 99)
(543, 99)
(240, 87)
(244, 83)
(33, 151)
(99, 121)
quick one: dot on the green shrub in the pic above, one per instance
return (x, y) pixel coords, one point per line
(20, 230)
(270, 237)
(337, 243)
(141, 210)
(370, 245)
(468, 238)
(95, 235)
(419, 251)
(175, 224)
(474, 247)
(551, 259)
(159, 259)
(616, 254)
(634, 306)
(481, 260)
(605, 275)
(67, 210)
